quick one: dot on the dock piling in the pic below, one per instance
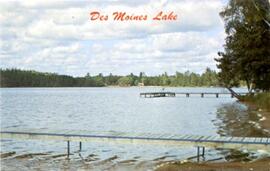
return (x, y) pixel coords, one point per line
(80, 146)
(68, 149)
(198, 154)
(203, 151)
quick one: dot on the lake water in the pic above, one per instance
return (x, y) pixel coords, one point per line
(122, 109)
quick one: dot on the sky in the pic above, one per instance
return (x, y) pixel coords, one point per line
(58, 36)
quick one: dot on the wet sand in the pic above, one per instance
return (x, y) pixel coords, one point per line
(260, 165)
(47, 161)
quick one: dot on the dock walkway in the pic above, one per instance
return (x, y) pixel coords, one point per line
(187, 94)
(157, 94)
(199, 141)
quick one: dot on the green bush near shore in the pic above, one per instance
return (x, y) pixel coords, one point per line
(262, 100)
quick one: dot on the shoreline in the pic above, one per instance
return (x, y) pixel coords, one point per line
(257, 165)
(43, 161)
(260, 101)
(131, 87)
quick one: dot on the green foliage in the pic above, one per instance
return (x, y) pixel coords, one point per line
(22, 78)
(247, 52)
(261, 100)
(111, 80)
(125, 81)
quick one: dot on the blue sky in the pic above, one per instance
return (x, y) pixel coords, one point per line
(57, 36)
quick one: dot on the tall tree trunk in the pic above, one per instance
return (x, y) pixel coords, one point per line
(248, 85)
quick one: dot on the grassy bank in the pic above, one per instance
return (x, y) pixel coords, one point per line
(261, 100)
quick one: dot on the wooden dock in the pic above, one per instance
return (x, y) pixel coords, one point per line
(201, 142)
(157, 94)
(187, 94)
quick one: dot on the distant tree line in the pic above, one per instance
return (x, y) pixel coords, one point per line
(26, 78)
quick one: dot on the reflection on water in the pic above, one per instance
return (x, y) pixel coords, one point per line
(49, 161)
(235, 119)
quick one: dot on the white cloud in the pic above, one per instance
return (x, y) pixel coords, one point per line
(157, 53)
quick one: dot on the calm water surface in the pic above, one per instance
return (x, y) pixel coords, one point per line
(122, 109)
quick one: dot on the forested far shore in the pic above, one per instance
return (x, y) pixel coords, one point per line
(30, 78)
